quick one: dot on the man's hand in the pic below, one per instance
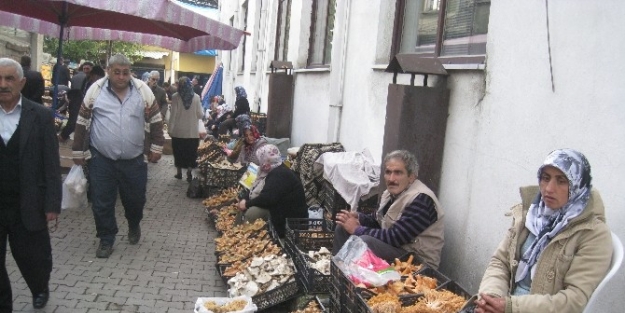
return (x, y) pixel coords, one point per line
(241, 205)
(51, 216)
(80, 161)
(490, 304)
(349, 221)
(154, 157)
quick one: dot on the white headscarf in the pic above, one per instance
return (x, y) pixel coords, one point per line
(546, 223)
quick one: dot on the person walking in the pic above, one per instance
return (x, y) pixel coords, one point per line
(30, 186)
(159, 93)
(34, 88)
(75, 96)
(186, 112)
(118, 123)
(62, 71)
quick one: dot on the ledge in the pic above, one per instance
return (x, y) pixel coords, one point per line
(312, 70)
(481, 67)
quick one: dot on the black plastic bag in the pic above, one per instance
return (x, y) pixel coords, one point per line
(195, 189)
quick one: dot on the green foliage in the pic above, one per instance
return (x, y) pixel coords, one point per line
(92, 50)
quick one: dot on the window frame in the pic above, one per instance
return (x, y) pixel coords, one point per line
(325, 58)
(400, 10)
(241, 57)
(282, 40)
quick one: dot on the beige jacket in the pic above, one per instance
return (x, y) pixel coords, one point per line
(568, 270)
(183, 123)
(429, 243)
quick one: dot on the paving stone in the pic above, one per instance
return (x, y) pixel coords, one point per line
(171, 267)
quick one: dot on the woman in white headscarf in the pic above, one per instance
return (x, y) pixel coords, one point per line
(559, 247)
(277, 193)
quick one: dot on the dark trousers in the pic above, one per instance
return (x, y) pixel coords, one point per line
(108, 177)
(32, 253)
(227, 126)
(74, 109)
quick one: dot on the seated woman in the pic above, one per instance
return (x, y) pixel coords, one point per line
(251, 141)
(241, 106)
(222, 113)
(277, 193)
(558, 248)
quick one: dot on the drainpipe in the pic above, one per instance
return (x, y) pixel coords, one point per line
(260, 69)
(336, 109)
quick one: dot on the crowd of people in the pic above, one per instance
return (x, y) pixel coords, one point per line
(552, 258)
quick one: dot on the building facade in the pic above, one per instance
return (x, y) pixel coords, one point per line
(525, 78)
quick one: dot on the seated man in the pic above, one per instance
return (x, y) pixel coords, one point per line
(410, 218)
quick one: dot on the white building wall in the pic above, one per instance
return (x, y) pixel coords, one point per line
(494, 146)
(502, 120)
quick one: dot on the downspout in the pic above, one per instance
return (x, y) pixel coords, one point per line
(260, 68)
(343, 59)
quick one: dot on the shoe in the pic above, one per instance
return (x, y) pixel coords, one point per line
(104, 250)
(178, 176)
(134, 234)
(41, 299)
(189, 177)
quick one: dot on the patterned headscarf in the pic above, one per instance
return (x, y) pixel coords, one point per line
(185, 89)
(546, 223)
(268, 158)
(220, 111)
(243, 122)
(240, 91)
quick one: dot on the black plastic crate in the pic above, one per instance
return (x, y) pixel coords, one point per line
(311, 280)
(416, 260)
(344, 289)
(456, 288)
(308, 233)
(221, 268)
(469, 306)
(440, 278)
(276, 296)
(334, 307)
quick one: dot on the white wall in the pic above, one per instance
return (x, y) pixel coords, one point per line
(502, 121)
(495, 145)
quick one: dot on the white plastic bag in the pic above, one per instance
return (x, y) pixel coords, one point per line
(361, 265)
(74, 189)
(249, 308)
(201, 129)
(167, 114)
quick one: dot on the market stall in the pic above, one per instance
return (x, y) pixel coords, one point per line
(253, 261)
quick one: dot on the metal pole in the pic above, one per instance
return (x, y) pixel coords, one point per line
(55, 83)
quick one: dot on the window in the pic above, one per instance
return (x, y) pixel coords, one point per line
(242, 47)
(455, 29)
(282, 30)
(261, 16)
(321, 28)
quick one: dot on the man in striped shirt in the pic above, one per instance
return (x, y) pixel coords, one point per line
(409, 219)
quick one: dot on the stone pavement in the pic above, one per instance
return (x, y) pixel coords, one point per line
(166, 271)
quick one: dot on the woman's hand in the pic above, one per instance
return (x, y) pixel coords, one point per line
(490, 304)
(349, 221)
(242, 206)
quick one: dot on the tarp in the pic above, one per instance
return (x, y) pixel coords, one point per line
(352, 174)
(212, 87)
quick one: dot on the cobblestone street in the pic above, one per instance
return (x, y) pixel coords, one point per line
(166, 271)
